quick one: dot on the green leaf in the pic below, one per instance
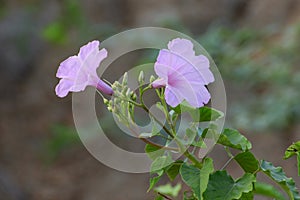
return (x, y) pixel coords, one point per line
(209, 114)
(234, 139)
(159, 197)
(298, 161)
(196, 178)
(221, 186)
(169, 190)
(292, 150)
(247, 161)
(277, 174)
(155, 130)
(161, 162)
(55, 33)
(247, 196)
(153, 152)
(155, 179)
(173, 170)
(202, 114)
(268, 191)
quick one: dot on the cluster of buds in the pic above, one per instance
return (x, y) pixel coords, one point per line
(121, 104)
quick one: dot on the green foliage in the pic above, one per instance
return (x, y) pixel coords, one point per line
(160, 162)
(153, 152)
(221, 186)
(294, 150)
(55, 33)
(247, 196)
(263, 68)
(169, 190)
(247, 161)
(173, 170)
(155, 179)
(197, 178)
(62, 138)
(234, 139)
(268, 191)
(277, 174)
(202, 114)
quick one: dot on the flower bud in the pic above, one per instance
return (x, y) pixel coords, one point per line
(105, 101)
(125, 79)
(128, 92)
(152, 78)
(141, 78)
(133, 96)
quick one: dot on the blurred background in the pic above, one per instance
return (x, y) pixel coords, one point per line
(255, 44)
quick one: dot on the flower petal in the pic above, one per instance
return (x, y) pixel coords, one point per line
(68, 68)
(181, 47)
(85, 50)
(173, 97)
(184, 48)
(63, 87)
(168, 59)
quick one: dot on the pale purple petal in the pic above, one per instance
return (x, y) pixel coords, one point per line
(167, 58)
(202, 64)
(173, 97)
(184, 48)
(181, 47)
(199, 98)
(68, 68)
(63, 87)
(92, 61)
(78, 72)
(184, 74)
(86, 50)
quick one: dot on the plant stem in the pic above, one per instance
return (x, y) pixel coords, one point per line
(164, 196)
(193, 159)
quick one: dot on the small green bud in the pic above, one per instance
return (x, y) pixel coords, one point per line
(124, 90)
(133, 96)
(105, 101)
(109, 108)
(125, 79)
(128, 94)
(114, 87)
(152, 78)
(141, 78)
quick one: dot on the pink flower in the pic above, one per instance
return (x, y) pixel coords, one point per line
(79, 71)
(183, 74)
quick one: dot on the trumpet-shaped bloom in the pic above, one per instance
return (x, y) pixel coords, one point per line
(79, 71)
(183, 74)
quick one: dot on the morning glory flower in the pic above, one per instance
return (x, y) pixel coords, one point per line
(79, 71)
(183, 74)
